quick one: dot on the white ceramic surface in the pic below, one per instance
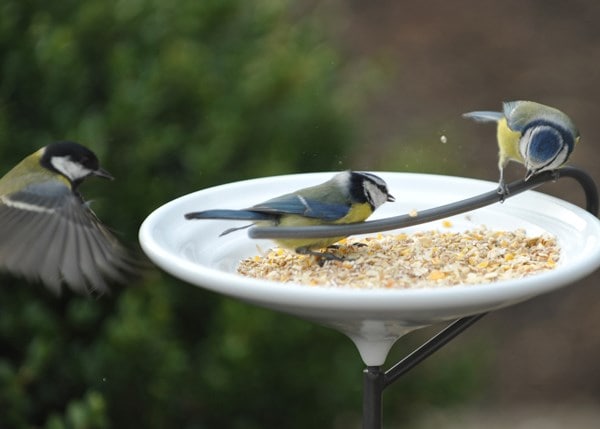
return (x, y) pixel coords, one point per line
(373, 319)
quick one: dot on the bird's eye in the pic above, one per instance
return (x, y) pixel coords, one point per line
(84, 160)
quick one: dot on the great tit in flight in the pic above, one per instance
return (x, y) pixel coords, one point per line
(49, 234)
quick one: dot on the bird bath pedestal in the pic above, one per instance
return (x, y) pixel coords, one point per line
(372, 318)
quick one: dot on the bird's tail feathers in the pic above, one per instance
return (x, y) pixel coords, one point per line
(484, 116)
(228, 214)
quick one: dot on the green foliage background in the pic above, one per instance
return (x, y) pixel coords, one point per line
(173, 96)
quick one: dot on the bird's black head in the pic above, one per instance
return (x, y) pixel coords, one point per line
(73, 161)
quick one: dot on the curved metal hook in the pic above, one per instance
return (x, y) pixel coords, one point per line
(428, 215)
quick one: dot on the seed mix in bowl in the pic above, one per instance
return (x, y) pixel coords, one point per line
(413, 260)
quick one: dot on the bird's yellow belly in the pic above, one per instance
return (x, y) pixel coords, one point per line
(358, 213)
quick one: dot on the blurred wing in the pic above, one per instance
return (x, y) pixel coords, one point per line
(48, 234)
(484, 116)
(303, 206)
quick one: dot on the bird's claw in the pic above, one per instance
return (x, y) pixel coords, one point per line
(321, 257)
(503, 191)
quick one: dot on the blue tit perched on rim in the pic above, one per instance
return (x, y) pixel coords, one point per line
(350, 196)
(538, 136)
(48, 233)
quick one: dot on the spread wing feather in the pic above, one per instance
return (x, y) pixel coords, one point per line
(48, 234)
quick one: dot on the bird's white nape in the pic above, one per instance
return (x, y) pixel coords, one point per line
(72, 170)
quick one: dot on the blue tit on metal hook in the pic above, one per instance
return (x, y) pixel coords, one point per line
(48, 233)
(540, 137)
(348, 197)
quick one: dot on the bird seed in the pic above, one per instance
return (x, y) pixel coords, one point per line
(413, 260)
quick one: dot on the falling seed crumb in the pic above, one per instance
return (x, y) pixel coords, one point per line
(416, 260)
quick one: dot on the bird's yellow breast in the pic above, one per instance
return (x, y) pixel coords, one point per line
(357, 213)
(508, 143)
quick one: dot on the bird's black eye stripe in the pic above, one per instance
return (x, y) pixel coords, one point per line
(368, 196)
(382, 188)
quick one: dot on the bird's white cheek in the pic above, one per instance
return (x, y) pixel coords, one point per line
(560, 159)
(374, 194)
(74, 171)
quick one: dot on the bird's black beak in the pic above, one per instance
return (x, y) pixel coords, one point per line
(101, 172)
(390, 198)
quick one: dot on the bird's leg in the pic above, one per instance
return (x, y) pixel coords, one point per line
(502, 187)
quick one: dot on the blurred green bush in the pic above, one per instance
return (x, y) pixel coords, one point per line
(173, 96)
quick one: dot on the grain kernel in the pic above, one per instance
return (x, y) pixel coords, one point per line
(436, 275)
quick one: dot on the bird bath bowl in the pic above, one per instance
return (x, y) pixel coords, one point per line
(373, 318)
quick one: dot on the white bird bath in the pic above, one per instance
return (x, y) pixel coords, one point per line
(373, 319)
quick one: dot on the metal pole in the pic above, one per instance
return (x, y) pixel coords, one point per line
(587, 184)
(375, 380)
(373, 384)
(430, 347)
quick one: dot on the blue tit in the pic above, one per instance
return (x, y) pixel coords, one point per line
(538, 136)
(48, 233)
(348, 197)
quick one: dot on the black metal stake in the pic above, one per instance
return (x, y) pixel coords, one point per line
(373, 385)
(375, 380)
(430, 347)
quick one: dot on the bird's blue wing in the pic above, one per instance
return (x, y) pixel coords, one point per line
(303, 206)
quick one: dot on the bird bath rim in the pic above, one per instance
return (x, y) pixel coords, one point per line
(373, 318)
